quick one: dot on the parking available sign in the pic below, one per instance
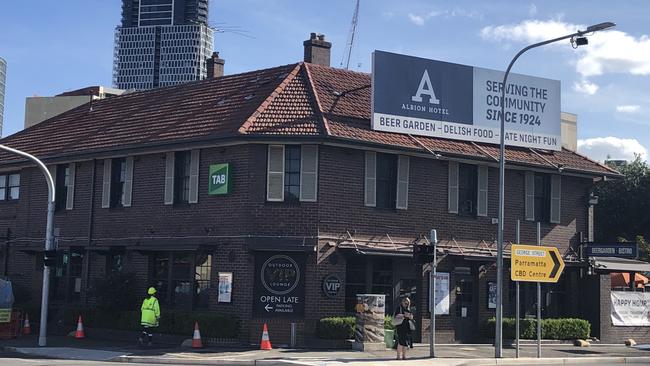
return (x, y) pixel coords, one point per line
(418, 96)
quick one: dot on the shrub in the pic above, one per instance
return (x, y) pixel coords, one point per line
(561, 329)
(171, 322)
(343, 327)
(336, 327)
(388, 322)
(115, 292)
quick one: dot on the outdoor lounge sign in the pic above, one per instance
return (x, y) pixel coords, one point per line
(432, 98)
(279, 286)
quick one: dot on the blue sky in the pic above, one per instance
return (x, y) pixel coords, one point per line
(54, 46)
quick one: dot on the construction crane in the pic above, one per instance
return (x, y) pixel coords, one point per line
(345, 60)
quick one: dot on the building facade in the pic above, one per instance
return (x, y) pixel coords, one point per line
(161, 43)
(39, 109)
(3, 80)
(253, 195)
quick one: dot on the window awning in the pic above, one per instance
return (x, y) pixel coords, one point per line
(614, 264)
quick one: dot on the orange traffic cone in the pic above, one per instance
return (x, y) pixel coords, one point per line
(80, 329)
(27, 329)
(196, 338)
(266, 343)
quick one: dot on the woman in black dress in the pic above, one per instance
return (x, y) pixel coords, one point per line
(403, 329)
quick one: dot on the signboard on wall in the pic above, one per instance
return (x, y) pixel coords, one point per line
(331, 286)
(219, 179)
(441, 293)
(225, 287)
(279, 284)
(630, 309)
(412, 95)
(620, 250)
(492, 295)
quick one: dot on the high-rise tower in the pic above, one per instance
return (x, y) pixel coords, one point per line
(161, 43)
(3, 78)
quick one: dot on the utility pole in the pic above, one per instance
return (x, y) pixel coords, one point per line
(433, 240)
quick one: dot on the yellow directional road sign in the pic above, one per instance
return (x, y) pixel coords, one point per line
(531, 263)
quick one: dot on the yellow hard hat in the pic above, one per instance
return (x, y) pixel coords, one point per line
(151, 291)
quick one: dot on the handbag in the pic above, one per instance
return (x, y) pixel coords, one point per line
(398, 319)
(411, 325)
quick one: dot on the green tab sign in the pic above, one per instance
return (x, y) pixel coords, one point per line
(219, 179)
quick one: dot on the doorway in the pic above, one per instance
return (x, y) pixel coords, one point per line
(466, 314)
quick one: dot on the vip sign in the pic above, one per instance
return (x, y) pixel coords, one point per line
(417, 96)
(219, 179)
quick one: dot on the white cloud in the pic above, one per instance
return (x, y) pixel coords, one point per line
(585, 86)
(628, 108)
(532, 10)
(600, 148)
(608, 52)
(416, 19)
(419, 20)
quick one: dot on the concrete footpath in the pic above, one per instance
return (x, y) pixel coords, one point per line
(456, 354)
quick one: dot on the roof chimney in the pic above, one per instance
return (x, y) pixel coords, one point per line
(215, 66)
(317, 50)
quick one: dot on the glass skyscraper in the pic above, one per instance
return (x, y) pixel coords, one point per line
(3, 78)
(161, 43)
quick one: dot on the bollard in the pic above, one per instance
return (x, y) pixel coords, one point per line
(293, 335)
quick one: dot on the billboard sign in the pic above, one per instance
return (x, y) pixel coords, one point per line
(412, 95)
(620, 250)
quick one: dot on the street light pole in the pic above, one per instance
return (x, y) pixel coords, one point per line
(498, 337)
(42, 340)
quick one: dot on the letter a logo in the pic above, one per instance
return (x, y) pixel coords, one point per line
(427, 89)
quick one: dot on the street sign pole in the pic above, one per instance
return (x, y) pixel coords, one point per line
(517, 300)
(539, 300)
(432, 297)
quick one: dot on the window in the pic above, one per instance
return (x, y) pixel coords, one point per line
(182, 161)
(202, 277)
(292, 173)
(355, 280)
(542, 197)
(118, 180)
(369, 275)
(62, 183)
(182, 278)
(114, 263)
(467, 189)
(543, 194)
(9, 187)
(467, 193)
(65, 285)
(386, 180)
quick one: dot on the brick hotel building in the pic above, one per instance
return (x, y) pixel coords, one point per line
(310, 181)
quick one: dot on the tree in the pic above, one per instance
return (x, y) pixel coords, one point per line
(623, 210)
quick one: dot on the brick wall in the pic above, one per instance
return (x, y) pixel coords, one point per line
(608, 332)
(228, 221)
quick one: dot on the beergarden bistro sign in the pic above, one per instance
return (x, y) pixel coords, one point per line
(279, 284)
(432, 98)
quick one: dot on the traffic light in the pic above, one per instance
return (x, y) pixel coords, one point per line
(423, 253)
(49, 258)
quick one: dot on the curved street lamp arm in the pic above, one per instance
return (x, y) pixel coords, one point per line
(35, 160)
(49, 238)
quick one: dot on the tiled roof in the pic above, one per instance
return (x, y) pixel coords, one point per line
(293, 100)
